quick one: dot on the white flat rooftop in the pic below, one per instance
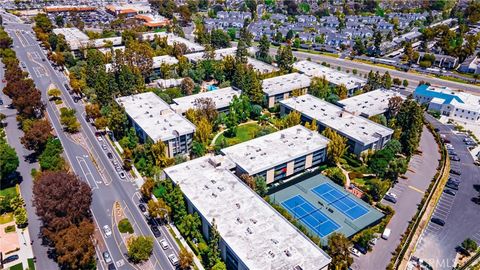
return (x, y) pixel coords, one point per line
(370, 103)
(172, 39)
(260, 237)
(164, 59)
(155, 117)
(277, 148)
(73, 36)
(285, 83)
(354, 127)
(108, 50)
(333, 76)
(221, 97)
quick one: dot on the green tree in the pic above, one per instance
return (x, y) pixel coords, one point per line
(190, 226)
(387, 80)
(246, 78)
(261, 185)
(203, 131)
(285, 58)
(469, 246)
(264, 49)
(51, 159)
(21, 218)
(187, 86)
(241, 55)
(341, 91)
(337, 146)
(158, 209)
(410, 120)
(378, 188)
(140, 248)
(219, 39)
(117, 120)
(69, 120)
(185, 258)
(8, 159)
(405, 83)
(319, 87)
(338, 249)
(213, 244)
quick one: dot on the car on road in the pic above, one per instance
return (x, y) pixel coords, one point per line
(354, 251)
(107, 231)
(122, 175)
(173, 259)
(109, 155)
(115, 163)
(449, 146)
(156, 231)
(1, 102)
(10, 259)
(449, 192)
(99, 138)
(104, 147)
(106, 257)
(118, 168)
(454, 158)
(438, 221)
(111, 266)
(163, 243)
(457, 172)
(142, 207)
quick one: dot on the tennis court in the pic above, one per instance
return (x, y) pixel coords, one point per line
(341, 201)
(304, 211)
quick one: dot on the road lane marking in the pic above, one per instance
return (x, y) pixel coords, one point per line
(88, 175)
(416, 189)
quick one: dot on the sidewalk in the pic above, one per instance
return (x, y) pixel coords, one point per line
(196, 261)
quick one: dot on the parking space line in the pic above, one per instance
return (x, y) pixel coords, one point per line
(416, 189)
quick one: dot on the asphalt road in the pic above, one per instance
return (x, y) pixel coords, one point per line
(438, 244)
(412, 78)
(99, 172)
(410, 192)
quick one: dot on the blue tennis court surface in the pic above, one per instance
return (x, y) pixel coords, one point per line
(339, 200)
(304, 211)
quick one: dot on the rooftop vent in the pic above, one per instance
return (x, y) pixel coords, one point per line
(237, 205)
(287, 252)
(249, 231)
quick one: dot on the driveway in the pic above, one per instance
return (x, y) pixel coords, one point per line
(410, 192)
(438, 243)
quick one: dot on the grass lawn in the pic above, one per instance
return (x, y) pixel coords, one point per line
(17, 267)
(244, 133)
(6, 218)
(11, 191)
(31, 264)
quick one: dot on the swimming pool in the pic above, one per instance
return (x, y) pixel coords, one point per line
(212, 87)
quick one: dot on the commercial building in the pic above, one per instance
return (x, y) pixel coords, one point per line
(172, 39)
(153, 21)
(220, 97)
(252, 234)
(281, 87)
(280, 154)
(153, 119)
(361, 133)
(333, 76)
(369, 104)
(453, 104)
(158, 61)
(77, 40)
(57, 9)
(128, 10)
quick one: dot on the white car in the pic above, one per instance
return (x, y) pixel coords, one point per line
(391, 194)
(173, 259)
(107, 231)
(373, 241)
(164, 243)
(100, 139)
(354, 251)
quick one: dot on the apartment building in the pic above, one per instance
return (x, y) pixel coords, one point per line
(220, 97)
(153, 119)
(280, 154)
(370, 103)
(252, 234)
(281, 87)
(333, 76)
(361, 133)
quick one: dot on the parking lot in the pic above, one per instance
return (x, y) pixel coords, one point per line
(459, 212)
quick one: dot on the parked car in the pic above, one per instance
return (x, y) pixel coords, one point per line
(106, 257)
(457, 172)
(173, 259)
(452, 186)
(122, 175)
(454, 180)
(99, 138)
(449, 192)
(354, 251)
(454, 158)
(373, 241)
(1, 102)
(438, 221)
(10, 259)
(142, 207)
(104, 147)
(164, 243)
(156, 231)
(112, 267)
(107, 231)
(390, 199)
(109, 155)
(386, 233)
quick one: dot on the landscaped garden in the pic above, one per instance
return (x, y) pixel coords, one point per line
(244, 133)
